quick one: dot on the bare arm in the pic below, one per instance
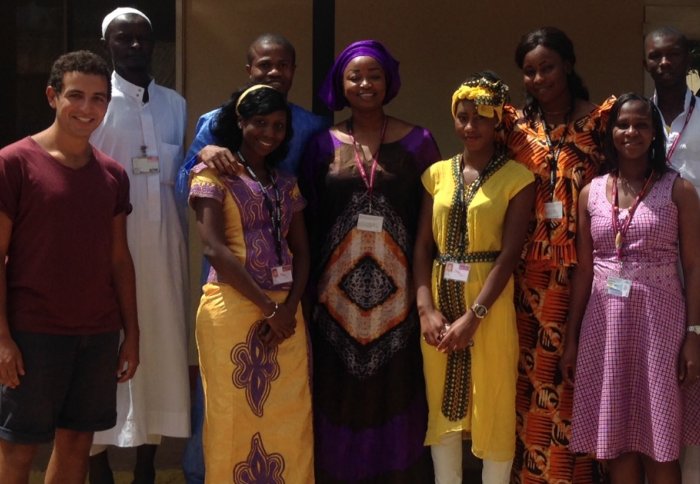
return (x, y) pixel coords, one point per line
(299, 245)
(580, 287)
(11, 364)
(515, 224)
(686, 199)
(125, 285)
(432, 321)
(210, 225)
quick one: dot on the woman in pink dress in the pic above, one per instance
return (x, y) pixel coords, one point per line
(633, 339)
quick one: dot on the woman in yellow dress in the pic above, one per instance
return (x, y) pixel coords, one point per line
(471, 230)
(252, 341)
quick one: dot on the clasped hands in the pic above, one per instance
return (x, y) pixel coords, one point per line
(277, 328)
(445, 336)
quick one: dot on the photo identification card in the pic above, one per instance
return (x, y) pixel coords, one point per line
(370, 223)
(617, 286)
(553, 210)
(281, 274)
(145, 165)
(456, 271)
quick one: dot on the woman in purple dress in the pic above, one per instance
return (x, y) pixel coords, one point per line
(633, 339)
(362, 182)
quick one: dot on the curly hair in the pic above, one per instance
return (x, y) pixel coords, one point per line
(82, 61)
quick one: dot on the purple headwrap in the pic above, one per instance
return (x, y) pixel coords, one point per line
(332, 93)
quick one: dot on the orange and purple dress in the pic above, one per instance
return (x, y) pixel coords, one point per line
(542, 291)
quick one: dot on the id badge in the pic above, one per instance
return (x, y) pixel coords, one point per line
(618, 286)
(456, 271)
(370, 223)
(145, 165)
(281, 274)
(553, 210)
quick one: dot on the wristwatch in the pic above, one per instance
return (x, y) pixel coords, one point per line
(694, 328)
(479, 310)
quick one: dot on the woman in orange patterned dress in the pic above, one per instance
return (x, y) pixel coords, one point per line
(558, 137)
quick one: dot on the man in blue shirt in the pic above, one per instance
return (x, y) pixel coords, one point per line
(271, 61)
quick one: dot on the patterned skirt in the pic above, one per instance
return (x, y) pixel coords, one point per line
(257, 424)
(543, 400)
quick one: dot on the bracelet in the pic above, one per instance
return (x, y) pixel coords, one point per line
(694, 328)
(274, 311)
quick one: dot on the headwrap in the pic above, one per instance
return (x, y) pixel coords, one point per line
(245, 93)
(121, 11)
(488, 96)
(332, 93)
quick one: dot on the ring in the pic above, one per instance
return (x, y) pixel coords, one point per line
(471, 343)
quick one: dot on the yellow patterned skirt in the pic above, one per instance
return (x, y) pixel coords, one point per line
(257, 420)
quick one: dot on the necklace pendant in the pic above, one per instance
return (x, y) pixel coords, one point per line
(618, 241)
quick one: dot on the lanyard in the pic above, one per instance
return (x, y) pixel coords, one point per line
(554, 151)
(672, 149)
(274, 209)
(620, 232)
(369, 181)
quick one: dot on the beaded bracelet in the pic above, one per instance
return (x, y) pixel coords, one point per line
(274, 311)
(694, 328)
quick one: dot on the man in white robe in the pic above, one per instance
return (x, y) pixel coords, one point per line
(144, 131)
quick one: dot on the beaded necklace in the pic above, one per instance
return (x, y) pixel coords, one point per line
(451, 292)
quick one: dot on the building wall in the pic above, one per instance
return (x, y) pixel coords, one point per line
(438, 44)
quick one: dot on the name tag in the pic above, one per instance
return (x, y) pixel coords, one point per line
(618, 286)
(281, 274)
(145, 165)
(553, 210)
(456, 271)
(370, 223)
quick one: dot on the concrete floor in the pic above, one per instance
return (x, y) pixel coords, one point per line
(168, 462)
(169, 470)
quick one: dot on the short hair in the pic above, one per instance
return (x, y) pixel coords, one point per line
(227, 131)
(669, 32)
(274, 39)
(657, 149)
(82, 61)
(554, 39)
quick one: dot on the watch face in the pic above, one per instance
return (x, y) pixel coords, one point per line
(479, 310)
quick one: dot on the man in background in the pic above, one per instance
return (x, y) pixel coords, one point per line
(271, 60)
(144, 131)
(667, 60)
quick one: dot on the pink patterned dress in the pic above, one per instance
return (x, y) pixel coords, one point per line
(627, 397)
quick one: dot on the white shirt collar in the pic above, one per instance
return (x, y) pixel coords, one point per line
(686, 102)
(129, 89)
